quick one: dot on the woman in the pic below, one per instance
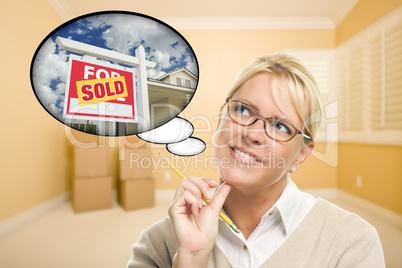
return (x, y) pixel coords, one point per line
(266, 131)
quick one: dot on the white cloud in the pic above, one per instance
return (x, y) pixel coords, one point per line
(50, 67)
(155, 73)
(54, 110)
(163, 59)
(126, 32)
(80, 31)
(123, 34)
(191, 65)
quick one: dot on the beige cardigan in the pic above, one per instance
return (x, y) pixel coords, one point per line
(327, 237)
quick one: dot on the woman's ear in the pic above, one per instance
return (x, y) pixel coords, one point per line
(220, 115)
(305, 152)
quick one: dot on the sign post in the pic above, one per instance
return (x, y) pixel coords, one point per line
(143, 100)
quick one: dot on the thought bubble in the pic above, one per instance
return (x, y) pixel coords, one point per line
(176, 134)
(176, 130)
(188, 147)
(114, 73)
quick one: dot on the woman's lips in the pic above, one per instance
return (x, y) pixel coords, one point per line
(244, 156)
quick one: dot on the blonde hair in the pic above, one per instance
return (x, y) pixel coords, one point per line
(303, 88)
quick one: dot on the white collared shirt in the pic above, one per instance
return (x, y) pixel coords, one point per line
(275, 226)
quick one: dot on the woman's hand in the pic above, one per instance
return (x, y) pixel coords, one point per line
(195, 225)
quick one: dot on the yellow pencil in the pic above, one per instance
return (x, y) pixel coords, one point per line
(181, 175)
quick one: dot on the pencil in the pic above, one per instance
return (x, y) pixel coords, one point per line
(181, 175)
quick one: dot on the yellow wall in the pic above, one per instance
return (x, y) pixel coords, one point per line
(34, 166)
(379, 166)
(320, 170)
(380, 169)
(364, 13)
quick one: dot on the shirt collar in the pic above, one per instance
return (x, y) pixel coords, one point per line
(287, 205)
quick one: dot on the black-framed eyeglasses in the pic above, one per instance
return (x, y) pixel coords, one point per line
(275, 127)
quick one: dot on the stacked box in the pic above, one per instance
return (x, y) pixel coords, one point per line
(137, 185)
(90, 162)
(137, 193)
(92, 193)
(92, 183)
(136, 164)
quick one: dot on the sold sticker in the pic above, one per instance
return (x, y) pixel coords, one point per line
(101, 90)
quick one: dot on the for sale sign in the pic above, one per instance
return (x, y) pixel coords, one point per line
(99, 90)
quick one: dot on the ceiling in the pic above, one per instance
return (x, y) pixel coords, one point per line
(209, 14)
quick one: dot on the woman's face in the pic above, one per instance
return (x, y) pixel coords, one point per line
(248, 158)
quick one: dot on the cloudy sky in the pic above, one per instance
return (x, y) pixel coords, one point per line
(119, 32)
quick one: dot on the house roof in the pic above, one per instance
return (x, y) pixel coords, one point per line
(181, 69)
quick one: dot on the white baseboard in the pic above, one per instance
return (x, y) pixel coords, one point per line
(23, 218)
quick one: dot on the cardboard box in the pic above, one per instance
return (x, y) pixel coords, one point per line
(137, 193)
(91, 162)
(137, 164)
(92, 193)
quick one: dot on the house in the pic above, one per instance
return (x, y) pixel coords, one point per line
(180, 77)
(168, 96)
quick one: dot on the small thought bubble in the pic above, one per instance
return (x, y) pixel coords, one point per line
(176, 134)
(176, 130)
(189, 147)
